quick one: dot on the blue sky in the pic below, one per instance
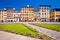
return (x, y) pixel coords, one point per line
(35, 3)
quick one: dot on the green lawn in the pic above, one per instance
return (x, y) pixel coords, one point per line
(49, 26)
(23, 30)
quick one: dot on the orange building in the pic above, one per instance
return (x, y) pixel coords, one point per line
(55, 15)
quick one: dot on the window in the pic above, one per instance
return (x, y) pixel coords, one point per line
(57, 15)
(39, 13)
(47, 8)
(45, 13)
(42, 13)
(4, 15)
(8, 16)
(43, 10)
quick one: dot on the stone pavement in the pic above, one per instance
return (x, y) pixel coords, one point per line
(50, 33)
(11, 36)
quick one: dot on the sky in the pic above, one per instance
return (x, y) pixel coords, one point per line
(35, 3)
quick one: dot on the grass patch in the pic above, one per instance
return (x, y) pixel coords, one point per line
(23, 30)
(49, 26)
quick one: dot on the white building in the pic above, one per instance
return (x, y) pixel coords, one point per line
(44, 13)
(17, 15)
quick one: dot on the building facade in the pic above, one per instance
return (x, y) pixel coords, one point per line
(55, 15)
(30, 14)
(1, 16)
(17, 15)
(27, 13)
(10, 15)
(36, 15)
(44, 13)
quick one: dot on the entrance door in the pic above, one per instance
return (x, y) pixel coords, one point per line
(58, 20)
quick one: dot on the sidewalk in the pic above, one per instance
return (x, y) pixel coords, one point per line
(50, 33)
(11, 36)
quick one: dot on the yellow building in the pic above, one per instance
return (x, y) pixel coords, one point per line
(55, 15)
(1, 15)
(27, 13)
